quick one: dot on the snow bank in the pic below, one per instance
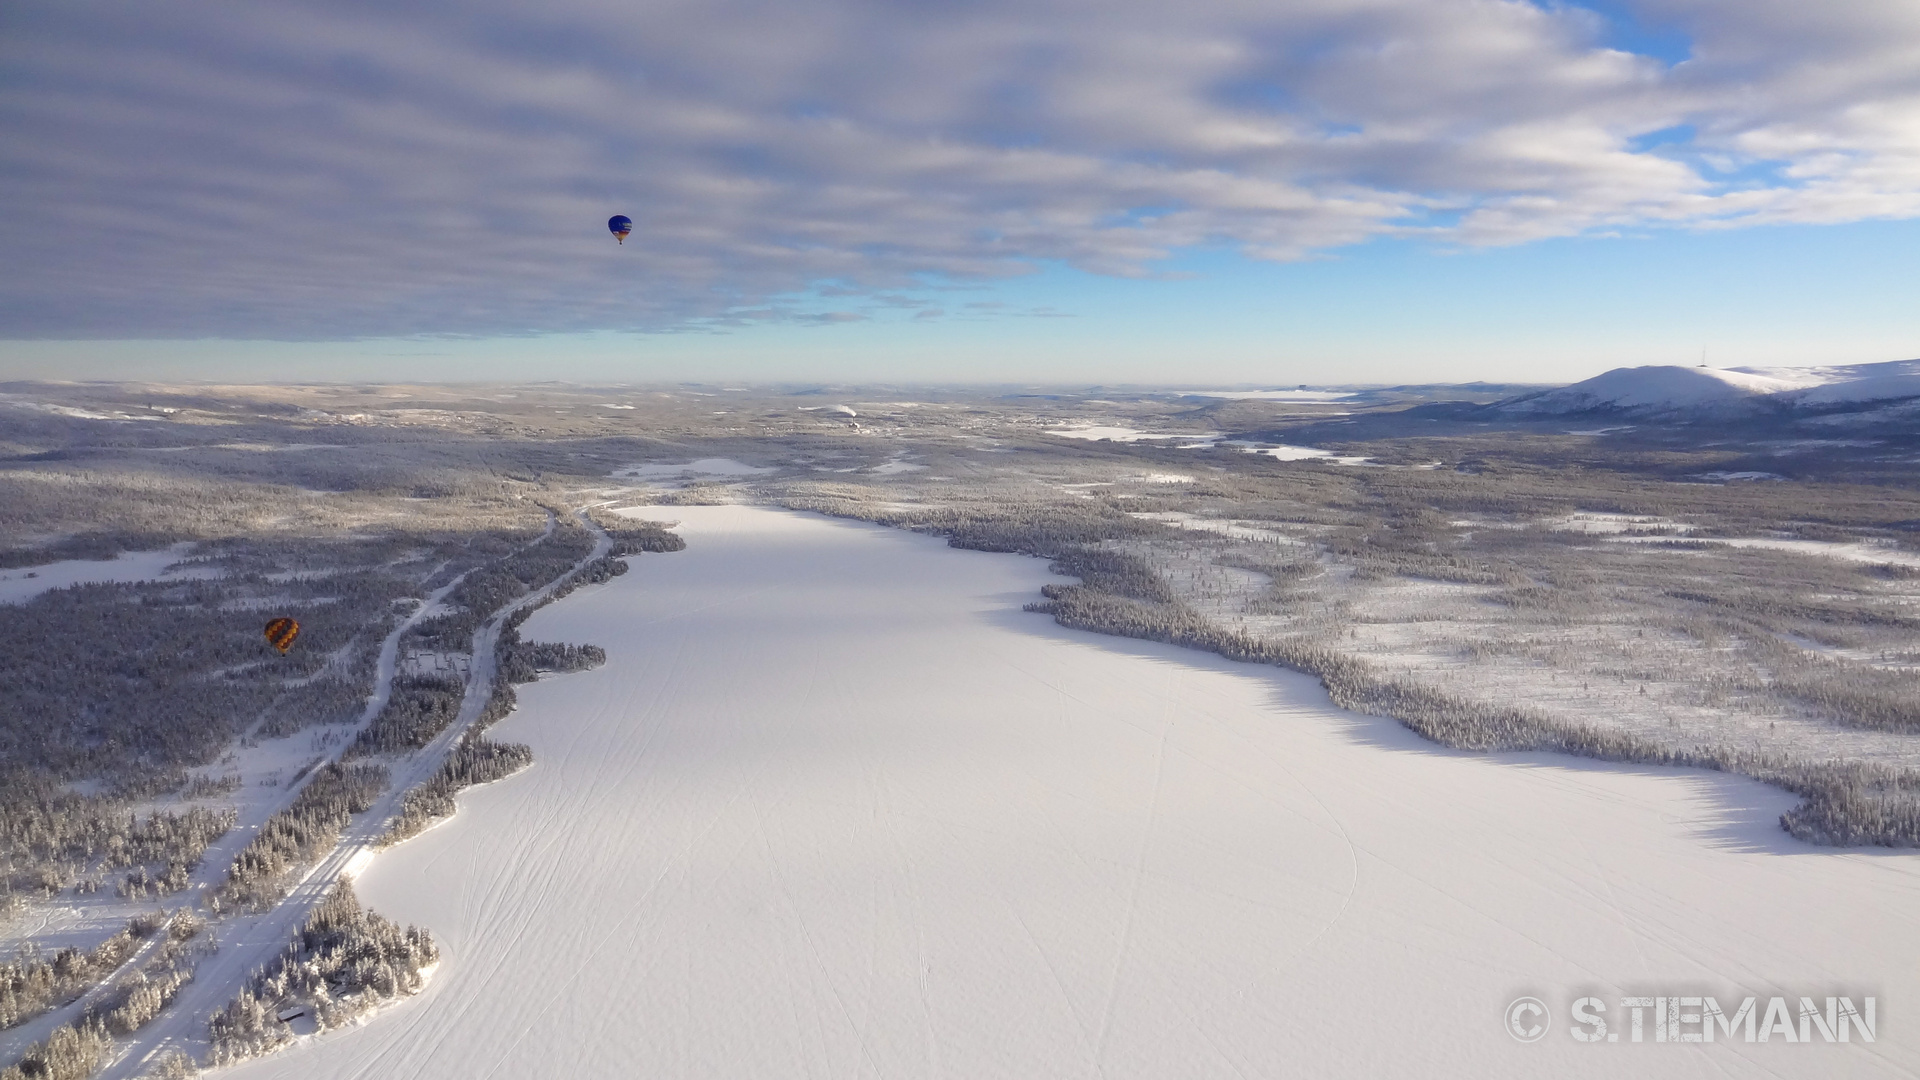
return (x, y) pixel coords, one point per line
(836, 807)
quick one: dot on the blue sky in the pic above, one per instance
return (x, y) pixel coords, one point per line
(1327, 191)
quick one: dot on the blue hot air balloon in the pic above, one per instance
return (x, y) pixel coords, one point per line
(620, 225)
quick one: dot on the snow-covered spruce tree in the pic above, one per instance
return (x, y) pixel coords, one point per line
(72, 1052)
(245, 1028)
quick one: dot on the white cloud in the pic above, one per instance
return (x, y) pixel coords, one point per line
(316, 170)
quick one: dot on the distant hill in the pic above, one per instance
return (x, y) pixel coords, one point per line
(1727, 393)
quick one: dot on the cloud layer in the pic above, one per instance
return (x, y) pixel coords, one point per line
(340, 169)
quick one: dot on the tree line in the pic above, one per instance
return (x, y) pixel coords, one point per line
(1843, 803)
(299, 835)
(476, 759)
(1396, 531)
(502, 581)
(634, 536)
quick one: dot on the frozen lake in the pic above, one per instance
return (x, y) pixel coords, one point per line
(20, 584)
(836, 807)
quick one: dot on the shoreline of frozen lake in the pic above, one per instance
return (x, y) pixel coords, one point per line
(836, 807)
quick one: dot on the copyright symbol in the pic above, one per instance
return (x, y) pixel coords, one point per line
(1527, 1019)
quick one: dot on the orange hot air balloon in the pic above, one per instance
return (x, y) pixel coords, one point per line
(281, 632)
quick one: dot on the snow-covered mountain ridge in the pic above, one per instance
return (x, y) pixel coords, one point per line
(1727, 392)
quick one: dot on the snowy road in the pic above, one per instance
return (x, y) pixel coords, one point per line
(836, 808)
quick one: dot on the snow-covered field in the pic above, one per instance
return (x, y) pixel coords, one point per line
(836, 807)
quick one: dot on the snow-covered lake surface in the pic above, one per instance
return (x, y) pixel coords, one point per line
(836, 807)
(1111, 433)
(714, 466)
(1204, 442)
(1303, 453)
(23, 583)
(1302, 394)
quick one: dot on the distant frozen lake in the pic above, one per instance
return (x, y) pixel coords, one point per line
(22, 583)
(836, 807)
(682, 470)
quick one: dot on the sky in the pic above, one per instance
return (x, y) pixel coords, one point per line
(1224, 191)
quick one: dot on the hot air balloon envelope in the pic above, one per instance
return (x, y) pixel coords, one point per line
(281, 632)
(620, 225)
